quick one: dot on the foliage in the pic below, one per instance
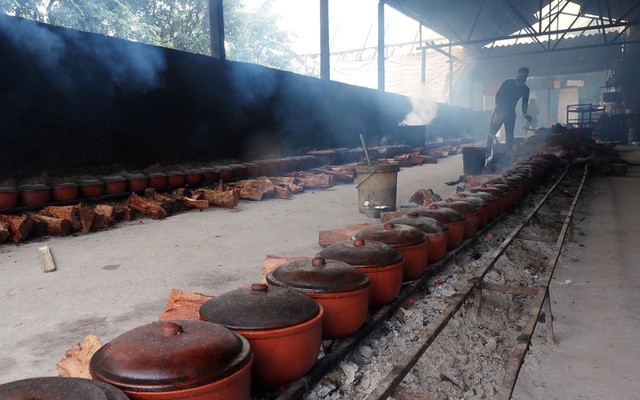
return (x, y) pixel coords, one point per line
(179, 24)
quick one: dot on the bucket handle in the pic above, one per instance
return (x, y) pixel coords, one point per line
(365, 179)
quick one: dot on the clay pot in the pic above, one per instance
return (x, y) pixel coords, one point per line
(176, 360)
(158, 180)
(436, 233)
(284, 165)
(323, 157)
(263, 167)
(483, 207)
(470, 212)
(193, 177)
(56, 388)
(410, 241)
(209, 175)
(382, 263)
(239, 171)
(283, 327)
(341, 290)
(224, 172)
(91, 188)
(252, 169)
(176, 179)
(488, 198)
(137, 182)
(499, 193)
(8, 197)
(448, 216)
(115, 184)
(64, 192)
(509, 199)
(34, 195)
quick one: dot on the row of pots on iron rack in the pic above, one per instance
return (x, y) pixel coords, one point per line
(266, 336)
(39, 195)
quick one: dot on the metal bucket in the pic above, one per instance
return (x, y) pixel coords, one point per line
(473, 160)
(377, 187)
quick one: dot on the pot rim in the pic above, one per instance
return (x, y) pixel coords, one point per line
(267, 334)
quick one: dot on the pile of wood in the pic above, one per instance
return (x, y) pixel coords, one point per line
(308, 180)
(424, 197)
(344, 173)
(183, 306)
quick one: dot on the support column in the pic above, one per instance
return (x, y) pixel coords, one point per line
(423, 50)
(381, 45)
(216, 29)
(324, 40)
(450, 75)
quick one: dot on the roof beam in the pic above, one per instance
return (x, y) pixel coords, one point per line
(475, 21)
(526, 24)
(580, 13)
(627, 42)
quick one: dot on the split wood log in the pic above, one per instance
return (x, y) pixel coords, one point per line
(149, 207)
(170, 204)
(75, 363)
(194, 203)
(183, 306)
(403, 160)
(19, 226)
(424, 197)
(105, 216)
(416, 159)
(39, 229)
(4, 232)
(288, 182)
(430, 160)
(254, 189)
(53, 226)
(123, 213)
(331, 236)
(87, 216)
(313, 181)
(272, 262)
(227, 198)
(70, 213)
(340, 173)
(283, 192)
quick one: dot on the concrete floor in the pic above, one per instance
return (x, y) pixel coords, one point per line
(112, 281)
(595, 302)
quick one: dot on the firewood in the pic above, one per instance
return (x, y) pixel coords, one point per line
(416, 159)
(329, 237)
(424, 197)
(166, 202)
(183, 192)
(4, 232)
(289, 182)
(430, 160)
(340, 173)
(283, 192)
(105, 216)
(19, 226)
(122, 213)
(75, 363)
(272, 262)
(403, 160)
(254, 189)
(70, 213)
(183, 306)
(87, 215)
(250, 193)
(39, 229)
(53, 226)
(193, 203)
(313, 181)
(227, 198)
(149, 207)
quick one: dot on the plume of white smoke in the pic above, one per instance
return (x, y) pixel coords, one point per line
(424, 109)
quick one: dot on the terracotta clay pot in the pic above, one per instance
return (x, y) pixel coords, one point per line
(137, 182)
(56, 388)
(436, 233)
(176, 360)
(91, 188)
(499, 193)
(115, 184)
(410, 241)
(382, 263)
(341, 290)
(284, 165)
(64, 192)
(252, 169)
(224, 172)
(34, 195)
(193, 177)
(209, 175)
(448, 216)
(239, 171)
(263, 167)
(8, 197)
(158, 180)
(491, 200)
(470, 212)
(508, 200)
(283, 327)
(483, 207)
(176, 179)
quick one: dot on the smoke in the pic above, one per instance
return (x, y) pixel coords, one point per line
(71, 58)
(424, 109)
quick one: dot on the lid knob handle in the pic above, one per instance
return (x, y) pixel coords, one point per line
(433, 207)
(358, 242)
(449, 200)
(259, 287)
(462, 196)
(389, 225)
(318, 261)
(171, 329)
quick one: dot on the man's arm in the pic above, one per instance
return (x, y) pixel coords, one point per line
(525, 104)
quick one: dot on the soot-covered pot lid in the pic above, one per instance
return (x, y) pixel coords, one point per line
(393, 234)
(425, 224)
(58, 388)
(362, 252)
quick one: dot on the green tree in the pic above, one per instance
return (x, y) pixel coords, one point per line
(179, 24)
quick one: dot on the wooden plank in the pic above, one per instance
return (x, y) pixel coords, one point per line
(521, 291)
(47, 260)
(406, 394)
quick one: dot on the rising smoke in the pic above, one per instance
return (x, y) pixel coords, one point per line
(424, 109)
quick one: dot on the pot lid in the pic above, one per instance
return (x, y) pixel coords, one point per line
(442, 214)
(319, 276)
(222, 168)
(489, 189)
(113, 179)
(486, 196)
(259, 307)
(237, 166)
(167, 356)
(425, 224)
(157, 175)
(362, 252)
(393, 234)
(6, 189)
(64, 185)
(32, 188)
(57, 388)
(250, 165)
(476, 201)
(192, 171)
(460, 206)
(175, 173)
(504, 188)
(90, 182)
(503, 181)
(207, 169)
(135, 176)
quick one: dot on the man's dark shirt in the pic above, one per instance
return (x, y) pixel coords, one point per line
(509, 94)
